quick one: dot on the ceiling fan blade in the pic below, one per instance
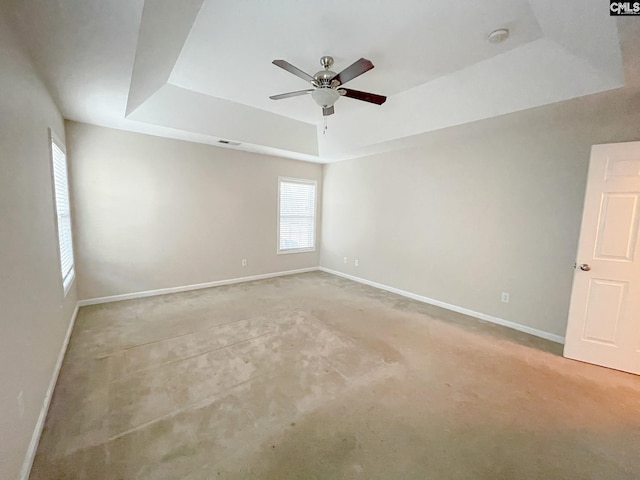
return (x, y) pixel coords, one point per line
(290, 94)
(326, 111)
(354, 70)
(364, 96)
(295, 70)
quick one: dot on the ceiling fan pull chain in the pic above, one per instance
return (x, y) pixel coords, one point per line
(324, 132)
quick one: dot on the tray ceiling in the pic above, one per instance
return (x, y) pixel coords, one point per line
(201, 70)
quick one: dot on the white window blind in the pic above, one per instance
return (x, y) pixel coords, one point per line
(63, 211)
(297, 215)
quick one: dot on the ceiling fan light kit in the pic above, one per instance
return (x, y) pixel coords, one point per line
(328, 84)
(325, 97)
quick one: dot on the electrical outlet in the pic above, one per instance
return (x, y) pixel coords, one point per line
(345, 260)
(505, 297)
(244, 262)
(356, 263)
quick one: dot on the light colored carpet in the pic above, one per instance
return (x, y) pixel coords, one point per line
(315, 377)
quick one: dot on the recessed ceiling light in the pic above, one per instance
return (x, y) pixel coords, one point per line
(498, 36)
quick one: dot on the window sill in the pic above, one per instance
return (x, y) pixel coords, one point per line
(296, 250)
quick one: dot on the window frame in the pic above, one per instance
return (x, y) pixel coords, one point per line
(303, 181)
(68, 279)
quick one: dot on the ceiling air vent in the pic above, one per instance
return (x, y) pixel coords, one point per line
(227, 142)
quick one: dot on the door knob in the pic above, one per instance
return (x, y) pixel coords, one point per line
(585, 267)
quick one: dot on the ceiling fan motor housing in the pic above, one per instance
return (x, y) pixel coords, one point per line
(323, 77)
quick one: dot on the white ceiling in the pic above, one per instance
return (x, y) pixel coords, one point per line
(201, 70)
(405, 40)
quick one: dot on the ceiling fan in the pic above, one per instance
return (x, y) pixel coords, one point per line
(328, 85)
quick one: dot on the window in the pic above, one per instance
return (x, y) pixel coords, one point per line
(63, 211)
(296, 215)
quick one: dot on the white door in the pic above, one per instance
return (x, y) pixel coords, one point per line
(604, 316)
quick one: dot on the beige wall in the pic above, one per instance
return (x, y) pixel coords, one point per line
(489, 207)
(154, 213)
(34, 315)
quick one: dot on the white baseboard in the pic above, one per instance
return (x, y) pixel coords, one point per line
(185, 288)
(448, 306)
(37, 432)
(420, 298)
